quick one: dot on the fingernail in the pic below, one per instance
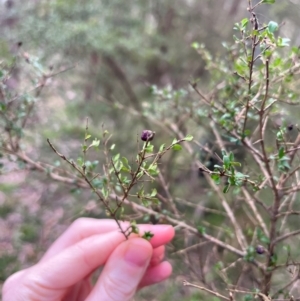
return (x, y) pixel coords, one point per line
(138, 252)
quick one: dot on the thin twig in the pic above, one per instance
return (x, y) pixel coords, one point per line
(285, 236)
(185, 283)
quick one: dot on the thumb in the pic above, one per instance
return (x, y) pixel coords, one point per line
(123, 271)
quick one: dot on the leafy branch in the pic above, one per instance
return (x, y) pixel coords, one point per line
(127, 176)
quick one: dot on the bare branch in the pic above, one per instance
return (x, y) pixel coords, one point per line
(185, 283)
(285, 236)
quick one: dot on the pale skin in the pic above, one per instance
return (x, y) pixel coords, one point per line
(64, 272)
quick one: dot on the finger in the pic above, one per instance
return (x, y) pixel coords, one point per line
(10, 285)
(79, 230)
(163, 234)
(157, 256)
(78, 291)
(156, 274)
(51, 278)
(123, 271)
(85, 227)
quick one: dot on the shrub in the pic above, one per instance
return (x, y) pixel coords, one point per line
(239, 132)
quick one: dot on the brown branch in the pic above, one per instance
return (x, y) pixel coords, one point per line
(170, 199)
(35, 165)
(251, 204)
(238, 231)
(291, 203)
(250, 65)
(287, 213)
(112, 213)
(284, 237)
(190, 248)
(203, 208)
(295, 279)
(183, 225)
(185, 283)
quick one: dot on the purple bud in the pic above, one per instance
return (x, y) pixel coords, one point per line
(147, 135)
(260, 250)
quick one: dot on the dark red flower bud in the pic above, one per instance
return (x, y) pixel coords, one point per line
(147, 135)
(260, 250)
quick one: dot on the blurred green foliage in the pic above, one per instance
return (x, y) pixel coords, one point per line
(133, 61)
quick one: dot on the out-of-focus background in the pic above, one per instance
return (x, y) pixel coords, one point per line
(119, 50)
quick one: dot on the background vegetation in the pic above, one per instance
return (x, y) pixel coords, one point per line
(135, 65)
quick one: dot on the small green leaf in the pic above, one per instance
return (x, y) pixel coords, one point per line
(125, 161)
(87, 136)
(219, 265)
(118, 165)
(244, 22)
(116, 158)
(226, 161)
(226, 188)
(246, 133)
(112, 147)
(162, 147)
(95, 143)
(134, 227)
(281, 152)
(216, 166)
(274, 259)
(75, 190)
(104, 192)
(262, 237)
(240, 175)
(147, 235)
(201, 229)
(153, 192)
(152, 170)
(273, 26)
(268, 1)
(250, 252)
(2, 107)
(189, 138)
(177, 147)
(124, 168)
(149, 148)
(216, 178)
(140, 174)
(155, 201)
(146, 202)
(265, 239)
(95, 163)
(232, 181)
(195, 45)
(236, 164)
(283, 42)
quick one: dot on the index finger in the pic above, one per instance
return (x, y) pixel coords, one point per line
(86, 227)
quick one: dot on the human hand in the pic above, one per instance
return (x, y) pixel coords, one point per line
(63, 274)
